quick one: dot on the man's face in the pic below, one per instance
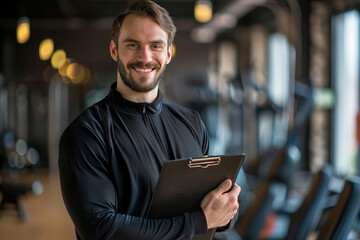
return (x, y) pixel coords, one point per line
(142, 53)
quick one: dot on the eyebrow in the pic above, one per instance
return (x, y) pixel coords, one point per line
(152, 42)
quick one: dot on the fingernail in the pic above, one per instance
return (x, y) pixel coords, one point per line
(227, 182)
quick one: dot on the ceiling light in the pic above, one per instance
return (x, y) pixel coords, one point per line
(75, 72)
(203, 11)
(63, 67)
(23, 30)
(46, 48)
(58, 58)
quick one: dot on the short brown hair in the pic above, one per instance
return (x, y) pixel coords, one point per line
(145, 8)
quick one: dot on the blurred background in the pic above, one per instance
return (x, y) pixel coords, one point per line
(267, 77)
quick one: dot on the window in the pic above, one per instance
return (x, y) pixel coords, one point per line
(345, 67)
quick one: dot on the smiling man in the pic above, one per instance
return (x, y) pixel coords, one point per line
(111, 155)
(142, 52)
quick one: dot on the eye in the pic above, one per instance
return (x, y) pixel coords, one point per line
(132, 45)
(157, 46)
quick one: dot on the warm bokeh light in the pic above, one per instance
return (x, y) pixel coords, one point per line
(46, 48)
(23, 30)
(203, 11)
(173, 50)
(75, 72)
(58, 58)
(63, 67)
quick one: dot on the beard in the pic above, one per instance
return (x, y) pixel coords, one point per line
(129, 80)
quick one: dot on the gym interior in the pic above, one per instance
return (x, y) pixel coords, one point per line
(277, 80)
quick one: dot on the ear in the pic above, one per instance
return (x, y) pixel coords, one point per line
(113, 51)
(169, 54)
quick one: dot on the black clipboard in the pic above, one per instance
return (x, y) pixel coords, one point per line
(184, 183)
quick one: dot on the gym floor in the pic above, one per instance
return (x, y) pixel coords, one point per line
(46, 213)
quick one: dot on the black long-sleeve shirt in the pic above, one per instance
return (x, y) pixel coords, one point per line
(109, 162)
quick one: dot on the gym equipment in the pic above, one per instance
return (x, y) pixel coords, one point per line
(12, 192)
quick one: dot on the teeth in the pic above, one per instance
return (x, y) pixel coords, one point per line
(143, 70)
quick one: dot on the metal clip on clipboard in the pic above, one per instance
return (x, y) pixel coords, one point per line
(204, 162)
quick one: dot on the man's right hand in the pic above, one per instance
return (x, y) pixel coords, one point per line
(220, 206)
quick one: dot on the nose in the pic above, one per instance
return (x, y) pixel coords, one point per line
(144, 55)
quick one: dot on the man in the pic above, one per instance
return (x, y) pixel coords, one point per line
(111, 155)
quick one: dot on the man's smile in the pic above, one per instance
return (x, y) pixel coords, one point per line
(144, 70)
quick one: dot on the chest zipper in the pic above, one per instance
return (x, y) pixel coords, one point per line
(153, 134)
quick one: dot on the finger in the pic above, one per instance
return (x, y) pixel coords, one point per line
(224, 186)
(234, 192)
(236, 189)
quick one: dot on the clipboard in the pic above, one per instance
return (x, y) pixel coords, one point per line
(184, 183)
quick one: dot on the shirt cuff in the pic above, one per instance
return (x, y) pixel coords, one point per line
(199, 220)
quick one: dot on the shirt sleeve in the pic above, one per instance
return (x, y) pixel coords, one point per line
(91, 198)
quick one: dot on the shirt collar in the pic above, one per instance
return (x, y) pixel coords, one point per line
(133, 107)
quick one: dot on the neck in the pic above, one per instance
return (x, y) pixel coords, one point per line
(133, 96)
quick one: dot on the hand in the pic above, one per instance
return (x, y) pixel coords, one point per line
(220, 206)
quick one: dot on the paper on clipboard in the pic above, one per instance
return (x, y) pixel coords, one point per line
(184, 183)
